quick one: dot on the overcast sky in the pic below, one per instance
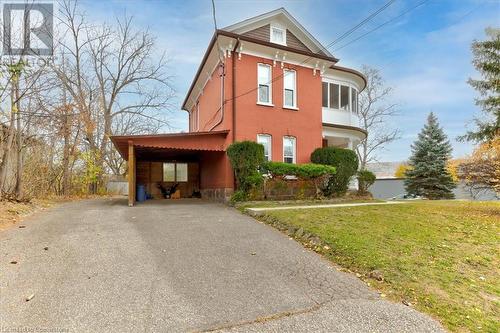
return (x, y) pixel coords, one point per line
(424, 55)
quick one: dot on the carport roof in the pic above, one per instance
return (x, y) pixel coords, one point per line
(197, 141)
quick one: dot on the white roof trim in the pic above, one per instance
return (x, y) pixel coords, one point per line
(280, 11)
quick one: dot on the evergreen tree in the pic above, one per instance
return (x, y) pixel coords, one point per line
(427, 174)
(487, 62)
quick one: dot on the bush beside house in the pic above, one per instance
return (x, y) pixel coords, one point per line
(346, 164)
(365, 180)
(256, 179)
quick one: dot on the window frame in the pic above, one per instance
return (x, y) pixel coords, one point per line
(294, 91)
(270, 148)
(294, 156)
(175, 172)
(340, 84)
(272, 40)
(269, 84)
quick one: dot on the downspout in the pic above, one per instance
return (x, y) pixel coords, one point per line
(221, 108)
(222, 101)
(233, 88)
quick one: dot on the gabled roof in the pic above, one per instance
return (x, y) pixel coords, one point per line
(288, 20)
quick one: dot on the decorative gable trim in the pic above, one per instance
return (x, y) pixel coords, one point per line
(280, 15)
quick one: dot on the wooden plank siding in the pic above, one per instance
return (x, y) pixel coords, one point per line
(263, 33)
(151, 173)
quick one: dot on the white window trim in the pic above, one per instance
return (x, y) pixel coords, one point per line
(270, 143)
(294, 106)
(269, 84)
(340, 83)
(271, 35)
(294, 148)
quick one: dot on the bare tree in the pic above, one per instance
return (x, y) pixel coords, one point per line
(112, 74)
(373, 113)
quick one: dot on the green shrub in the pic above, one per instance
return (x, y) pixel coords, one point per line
(246, 157)
(302, 171)
(318, 174)
(365, 180)
(238, 196)
(345, 162)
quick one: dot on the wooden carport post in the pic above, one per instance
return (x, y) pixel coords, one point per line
(131, 174)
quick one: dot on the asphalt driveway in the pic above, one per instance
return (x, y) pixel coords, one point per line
(170, 266)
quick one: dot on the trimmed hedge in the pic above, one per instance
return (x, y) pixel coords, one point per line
(346, 163)
(302, 171)
(365, 180)
(246, 157)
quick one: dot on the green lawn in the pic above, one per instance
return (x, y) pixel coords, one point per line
(442, 257)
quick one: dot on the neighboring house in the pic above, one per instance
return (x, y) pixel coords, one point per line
(265, 79)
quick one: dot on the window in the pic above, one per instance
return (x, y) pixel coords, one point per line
(289, 84)
(175, 172)
(354, 100)
(264, 78)
(324, 86)
(278, 35)
(289, 149)
(344, 98)
(334, 96)
(265, 140)
(337, 96)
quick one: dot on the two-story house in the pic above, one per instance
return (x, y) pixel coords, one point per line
(265, 79)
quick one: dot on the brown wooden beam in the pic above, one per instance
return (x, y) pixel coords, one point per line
(131, 174)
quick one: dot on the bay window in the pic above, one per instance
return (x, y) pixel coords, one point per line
(289, 88)
(266, 141)
(339, 96)
(264, 84)
(334, 96)
(344, 98)
(289, 149)
(354, 100)
(324, 86)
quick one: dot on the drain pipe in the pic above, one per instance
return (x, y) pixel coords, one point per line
(221, 108)
(233, 88)
(222, 95)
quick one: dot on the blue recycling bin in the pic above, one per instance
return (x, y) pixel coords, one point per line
(141, 193)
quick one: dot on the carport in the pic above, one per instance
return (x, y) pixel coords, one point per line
(196, 161)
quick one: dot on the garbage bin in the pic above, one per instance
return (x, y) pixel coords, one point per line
(141, 193)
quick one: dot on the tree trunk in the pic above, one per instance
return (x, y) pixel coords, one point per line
(8, 146)
(19, 137)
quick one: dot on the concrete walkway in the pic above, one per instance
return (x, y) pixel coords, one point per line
(257, 210)
(178, 266)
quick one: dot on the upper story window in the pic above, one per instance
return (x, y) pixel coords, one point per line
(278, 35)
(264, 84)
(354, 100)
(289, 149)
(289, 88)
(340, 97)
(266, 141)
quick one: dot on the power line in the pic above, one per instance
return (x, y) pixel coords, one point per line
(214, 16)
(383, 24)
(360, 24)
(347, 33)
